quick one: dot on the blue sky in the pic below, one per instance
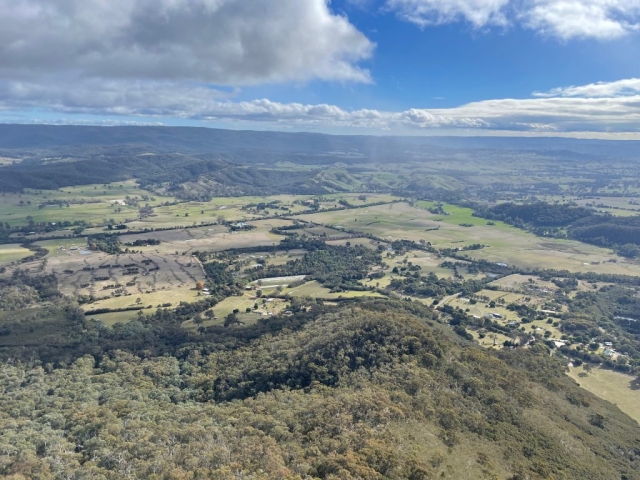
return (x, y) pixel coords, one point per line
(415, 67)
(418, 67)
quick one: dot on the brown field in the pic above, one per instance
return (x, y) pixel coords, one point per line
(213, 238)
(155, 273)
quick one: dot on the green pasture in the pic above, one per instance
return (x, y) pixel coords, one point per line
(266, 307)
(620, 389)
(61, 247)
(315, 290)
(173, 295)
(12, 253)
(506, 244)
(101, 204)
(458, 215)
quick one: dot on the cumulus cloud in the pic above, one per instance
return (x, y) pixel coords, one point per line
(565, 19)
(601, 19)
(600, 107)
(223, 42)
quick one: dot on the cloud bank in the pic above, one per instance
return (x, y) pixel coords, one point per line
(601, 107)
(564, 19)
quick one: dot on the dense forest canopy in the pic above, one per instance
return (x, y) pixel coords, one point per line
(370, 391)
(540, 214)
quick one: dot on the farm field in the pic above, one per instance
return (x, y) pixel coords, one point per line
(620, 389)
(166, 295)
(506, 244)
(99, 275)
(428, 262)
(355, 241)
(12, 253)
(524, 282)
(211, 238)
(90, 203)
(64, 247)
(315, 290)
(270, 258)
(240, 304)
(94, 204)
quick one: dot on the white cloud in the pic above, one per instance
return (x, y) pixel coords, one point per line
(601, 19)
(564, 19)
(620, 88)
(433, 12)
(600, 107)
(223, 42)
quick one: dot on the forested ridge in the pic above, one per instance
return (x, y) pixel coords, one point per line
(375, 389)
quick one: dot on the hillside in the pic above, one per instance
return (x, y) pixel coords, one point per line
(375, 389)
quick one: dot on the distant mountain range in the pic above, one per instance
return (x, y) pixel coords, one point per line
(247, 144)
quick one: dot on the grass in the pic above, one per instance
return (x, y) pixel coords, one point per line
(100, 205)
(458, 215)
(12, 253)
(617, 388)
(241, 303)
(505, 243)
(488, 340)
(168, 295)
(428, 262)
(353, 242)
(61, 247)
(315, 290)
(97, 208)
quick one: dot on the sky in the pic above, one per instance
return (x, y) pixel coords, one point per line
(384, 67)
